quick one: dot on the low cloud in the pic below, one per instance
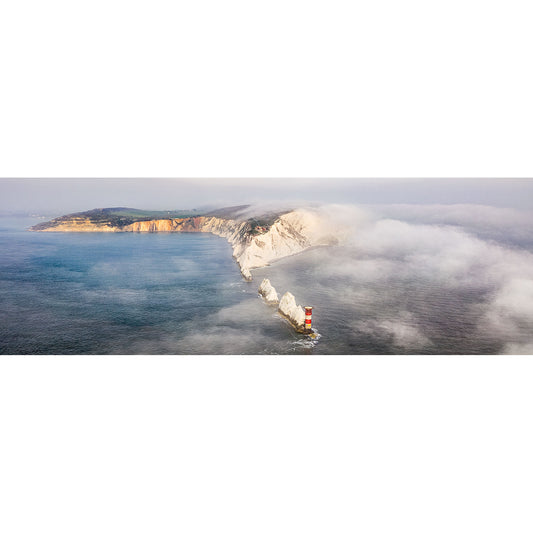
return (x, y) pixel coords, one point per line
(509, 315)
(516, 348)
(227, 331)
(414, 280)
(507, 225)
(403, 332)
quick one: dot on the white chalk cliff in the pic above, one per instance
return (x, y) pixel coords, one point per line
(290, 234)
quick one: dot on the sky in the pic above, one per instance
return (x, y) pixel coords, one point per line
(56, 196)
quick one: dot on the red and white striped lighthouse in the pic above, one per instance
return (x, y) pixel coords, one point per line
(308, 316)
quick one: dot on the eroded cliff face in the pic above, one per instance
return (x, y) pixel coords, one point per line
(289, 234)
(79, 224)
(194, 224)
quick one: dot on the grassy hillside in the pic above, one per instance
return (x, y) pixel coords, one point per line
(123, 216)
(118, 216)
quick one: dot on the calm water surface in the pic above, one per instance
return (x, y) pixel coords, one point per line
(126, 293)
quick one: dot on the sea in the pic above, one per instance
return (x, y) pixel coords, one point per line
(182, 293)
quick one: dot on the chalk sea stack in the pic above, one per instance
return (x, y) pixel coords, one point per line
(292, 312)
(287, 306)
(268, 292)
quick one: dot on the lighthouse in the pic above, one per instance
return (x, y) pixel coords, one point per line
(308, 317)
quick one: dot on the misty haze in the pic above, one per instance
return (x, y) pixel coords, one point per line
(174, 266)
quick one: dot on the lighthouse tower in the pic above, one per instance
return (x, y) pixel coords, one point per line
(308, 318)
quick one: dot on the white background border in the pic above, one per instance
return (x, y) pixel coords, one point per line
(242, 89)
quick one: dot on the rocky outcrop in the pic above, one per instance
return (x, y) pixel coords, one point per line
(288, 234)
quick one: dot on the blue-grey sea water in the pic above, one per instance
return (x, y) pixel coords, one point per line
(179, 293)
